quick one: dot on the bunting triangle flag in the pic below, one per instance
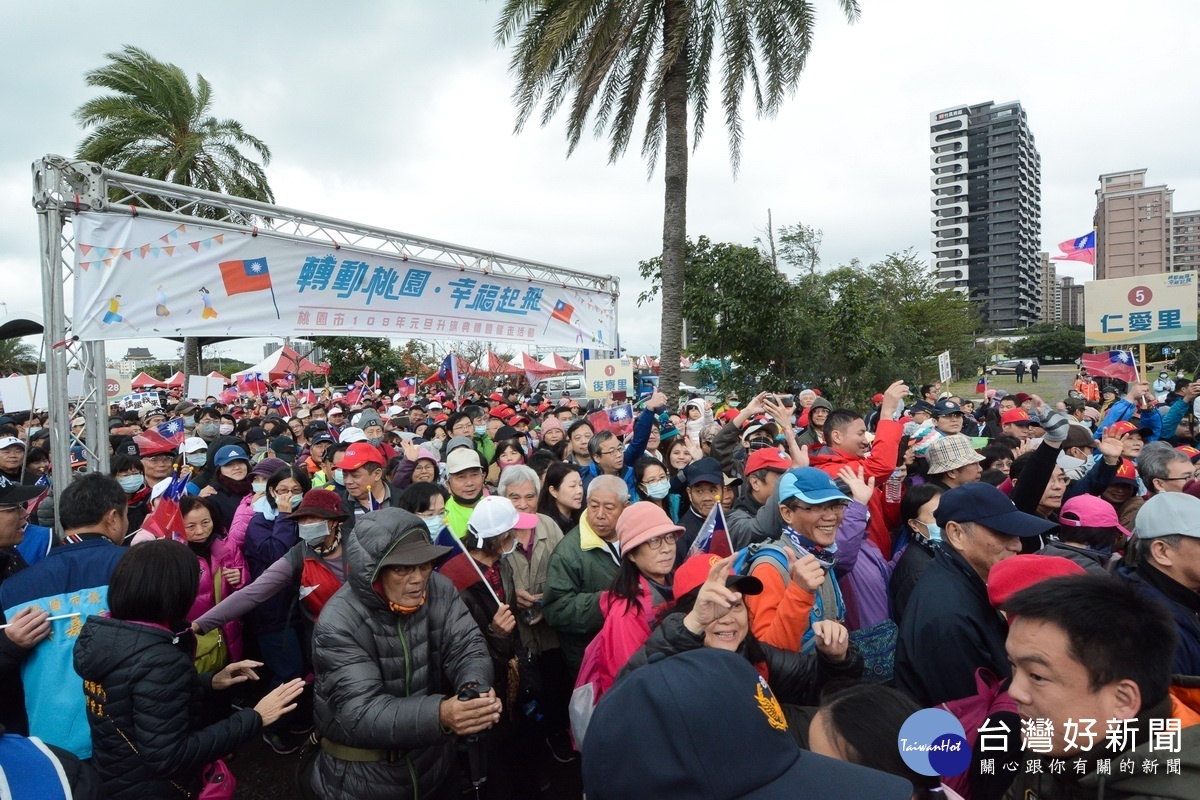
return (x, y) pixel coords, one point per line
(85, 249)
(84, 265)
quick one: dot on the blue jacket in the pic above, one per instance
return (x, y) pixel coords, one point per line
(36, 544)
(1124, 410)
(636, 449)
(1181, 602)
(72, 578)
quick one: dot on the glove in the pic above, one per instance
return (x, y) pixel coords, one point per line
(1055, 424)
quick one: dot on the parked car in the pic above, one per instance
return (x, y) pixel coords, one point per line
(553, 388)
(1008, 367)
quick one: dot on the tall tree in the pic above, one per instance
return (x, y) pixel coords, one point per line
(154, 122)
(605, 54)
(17, 356)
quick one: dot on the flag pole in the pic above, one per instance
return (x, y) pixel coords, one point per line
(478, 571)
(277, 314)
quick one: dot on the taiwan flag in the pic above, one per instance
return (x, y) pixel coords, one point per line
(713, 537)
(563, 311)
(251, 383)
(166, 521)
(163, 438)
(245, 276)
(981, 386)
(618, 420)
(1082, 248)
(1118, 364)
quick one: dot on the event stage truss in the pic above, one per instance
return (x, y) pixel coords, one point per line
(63, 187)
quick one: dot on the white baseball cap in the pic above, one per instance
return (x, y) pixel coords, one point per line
(434, 405)
(193, 444)
(395, 411)
(351, 435)
(9, 441)
(495, 516)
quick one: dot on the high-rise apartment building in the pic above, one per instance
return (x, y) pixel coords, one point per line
(1070, 296)
(1185, 241)
(1048, 289)
(987, 215)
(1133, 226)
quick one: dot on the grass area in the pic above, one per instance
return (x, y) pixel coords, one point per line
(1054, 382)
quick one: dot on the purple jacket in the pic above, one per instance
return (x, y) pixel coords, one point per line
(863, 573)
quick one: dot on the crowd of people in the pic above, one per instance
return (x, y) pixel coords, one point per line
(419, 596)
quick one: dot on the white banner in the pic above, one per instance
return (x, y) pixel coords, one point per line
(944, 366)
(202, 386)
(138, 278)
(1143, 310)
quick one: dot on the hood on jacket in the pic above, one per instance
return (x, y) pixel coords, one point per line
(214, 447)
(105, 644)
(374, 535)
(820, 402)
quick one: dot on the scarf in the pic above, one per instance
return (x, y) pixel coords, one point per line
(826, 556)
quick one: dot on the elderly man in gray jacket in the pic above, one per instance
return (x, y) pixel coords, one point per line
(391, 651)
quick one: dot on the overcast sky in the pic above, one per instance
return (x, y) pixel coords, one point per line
(398, 113)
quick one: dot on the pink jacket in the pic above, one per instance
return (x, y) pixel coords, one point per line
(241, 520)
(626, 629)
(224, 555)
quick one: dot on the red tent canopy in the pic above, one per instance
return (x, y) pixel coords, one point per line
(144, 381)
(498, 366)
(215, 374)
(277, 366)
(557, 363)
(175, 381)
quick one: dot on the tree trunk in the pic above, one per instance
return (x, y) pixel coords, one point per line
(191, 356)
(675, 167)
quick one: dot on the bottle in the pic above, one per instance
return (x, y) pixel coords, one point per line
(893, 490)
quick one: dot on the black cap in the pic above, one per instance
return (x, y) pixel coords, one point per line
(945, 407)
(255, 436)
(11, 493)
(920, 405)
(706, 470)
(705, 724)
(985, 504)
(283, 448)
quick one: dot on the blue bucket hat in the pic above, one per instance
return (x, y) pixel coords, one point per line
(810, 485)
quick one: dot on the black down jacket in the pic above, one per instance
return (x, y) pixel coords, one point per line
(381, 675)
(138, 683)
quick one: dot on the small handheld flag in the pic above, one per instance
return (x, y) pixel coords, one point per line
(1118, 364)
(981, 386)
(713, 537)
(618, 419)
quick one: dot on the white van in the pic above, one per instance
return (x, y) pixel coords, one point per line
(552, 388)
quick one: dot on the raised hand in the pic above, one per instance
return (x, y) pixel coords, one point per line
(715, 598)
(861, 490)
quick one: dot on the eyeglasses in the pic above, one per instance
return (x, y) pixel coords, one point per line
(609, 452)
(288, 491)
(836, 505)
(4, 509)
(658, 541)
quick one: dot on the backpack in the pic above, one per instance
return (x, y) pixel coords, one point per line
(762, 552)
(972, 711)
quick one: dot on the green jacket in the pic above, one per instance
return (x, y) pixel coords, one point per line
(1140, 784)
(581, 567)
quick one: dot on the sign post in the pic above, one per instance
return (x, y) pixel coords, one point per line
(1147, 309)
(602, 376)
(944, 366)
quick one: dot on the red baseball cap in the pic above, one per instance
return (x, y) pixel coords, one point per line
(694, 572)
(1126, 473)
(1015, 573)
(358, 454)
(877, 399)
(729, 415)
(1189, 451)
(499, 398)
(767, 458)
(1016, 416)
(1126, 427)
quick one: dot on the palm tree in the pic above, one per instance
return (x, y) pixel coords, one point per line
(605, 54)
(16, 356)
(155, 123)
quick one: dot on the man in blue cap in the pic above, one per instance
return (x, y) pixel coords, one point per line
(949, 629)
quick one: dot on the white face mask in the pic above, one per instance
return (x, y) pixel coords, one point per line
(339, 477)
(197, 459)
(131, 483)
(313, 532)
(511, 548)
(258, 487)
(435, 524)
(226, 429)
(659, 489)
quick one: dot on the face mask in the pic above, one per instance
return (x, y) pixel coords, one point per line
(261, 506)
(511, 548)
(208, 429)
(734, 404)
(226, 430)
(934, 530)
(131, 483)
(29, 432)
(435, 524)
(286, 503)
(436, 444)
(339, 477)
(375, 441)
(480, 430)
(258, 487)
(313, 532)
(189, 423)
(197, 459)
(659, 489)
